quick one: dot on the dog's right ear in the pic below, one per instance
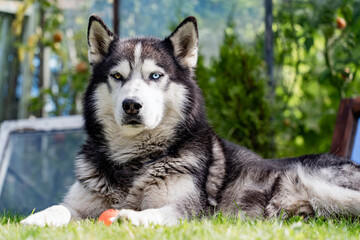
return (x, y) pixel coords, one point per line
(99, 38)
(185, 40)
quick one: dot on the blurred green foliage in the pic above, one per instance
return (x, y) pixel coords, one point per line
(234, 86)
(63, 92)
(317, 61)
(316, 64)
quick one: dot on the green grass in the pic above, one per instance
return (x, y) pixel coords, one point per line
(217, 227)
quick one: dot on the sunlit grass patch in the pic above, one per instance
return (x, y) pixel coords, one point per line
(214, 227)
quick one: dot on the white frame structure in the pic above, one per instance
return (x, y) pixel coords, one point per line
(31, 125)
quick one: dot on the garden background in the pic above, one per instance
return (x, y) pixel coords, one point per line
(44, 71)
(44, 68)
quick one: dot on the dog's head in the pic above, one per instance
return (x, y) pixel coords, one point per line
(140, 84)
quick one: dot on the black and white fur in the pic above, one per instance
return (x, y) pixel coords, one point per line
(151, 153)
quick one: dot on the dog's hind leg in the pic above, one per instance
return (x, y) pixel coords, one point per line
(337, 196)
(310, 193)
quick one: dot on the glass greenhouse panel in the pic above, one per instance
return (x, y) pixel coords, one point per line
(37, 167)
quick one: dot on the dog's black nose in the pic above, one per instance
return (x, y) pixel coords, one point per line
(131, 106)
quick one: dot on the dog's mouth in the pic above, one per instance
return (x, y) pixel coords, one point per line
(133, 122)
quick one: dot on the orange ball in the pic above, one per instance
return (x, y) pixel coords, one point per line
(106, 215)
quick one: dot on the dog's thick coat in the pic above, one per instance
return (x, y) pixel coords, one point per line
(151, 153)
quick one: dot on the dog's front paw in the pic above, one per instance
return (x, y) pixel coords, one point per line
(53, 216)
(135, 217)
(145, 217)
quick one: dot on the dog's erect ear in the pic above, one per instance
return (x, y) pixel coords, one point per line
(185, 41)
(99, 39)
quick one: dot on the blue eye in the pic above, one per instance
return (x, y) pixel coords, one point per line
(155, 76)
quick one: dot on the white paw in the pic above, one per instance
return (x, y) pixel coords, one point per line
(133, 216)
(53, 216)
(145, 217)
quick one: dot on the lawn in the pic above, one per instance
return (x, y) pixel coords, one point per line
(217, 227)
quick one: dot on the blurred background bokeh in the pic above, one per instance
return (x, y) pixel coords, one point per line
(316, 56)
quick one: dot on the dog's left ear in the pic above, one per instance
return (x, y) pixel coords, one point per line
(185, 40)
(99, 39)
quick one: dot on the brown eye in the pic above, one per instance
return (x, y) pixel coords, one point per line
(117, 76)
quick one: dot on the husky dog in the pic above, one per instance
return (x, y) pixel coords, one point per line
(151, 154)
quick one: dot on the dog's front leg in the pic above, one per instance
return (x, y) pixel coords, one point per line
(166, 215)
(79, 203)
(57, 215)
(161, 200)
